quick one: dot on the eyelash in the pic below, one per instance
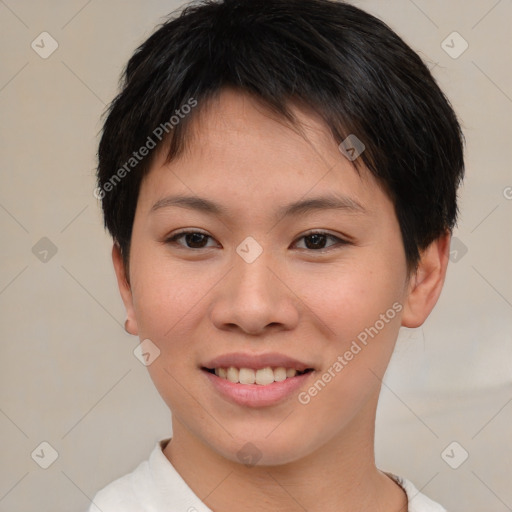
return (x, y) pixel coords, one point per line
(173, 240)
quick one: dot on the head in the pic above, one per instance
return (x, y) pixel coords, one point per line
(277, 119)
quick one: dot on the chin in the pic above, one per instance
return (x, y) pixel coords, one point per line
(258, 450)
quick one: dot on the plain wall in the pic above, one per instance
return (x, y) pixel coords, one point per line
(68, 375)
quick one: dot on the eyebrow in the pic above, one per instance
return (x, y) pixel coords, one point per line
(301, 207)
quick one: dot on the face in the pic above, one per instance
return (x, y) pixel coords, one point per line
(283, 259)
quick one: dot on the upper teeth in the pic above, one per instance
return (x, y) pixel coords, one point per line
(262, 376)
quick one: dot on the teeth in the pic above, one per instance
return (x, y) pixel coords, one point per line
(280, 374)
(246, 376)
(263, 376)
(232, 374)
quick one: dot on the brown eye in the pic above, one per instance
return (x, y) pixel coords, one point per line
(192, 239)
(317, 240)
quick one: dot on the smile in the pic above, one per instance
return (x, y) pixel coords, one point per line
(261, 376)
(246, 392)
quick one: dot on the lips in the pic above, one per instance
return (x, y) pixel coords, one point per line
(256, 380)
(256, 362)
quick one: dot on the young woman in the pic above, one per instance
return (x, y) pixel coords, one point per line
(280, 179)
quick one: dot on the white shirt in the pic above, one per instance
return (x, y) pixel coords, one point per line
(156, 486)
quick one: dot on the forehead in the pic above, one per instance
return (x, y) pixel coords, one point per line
(237, 148)
(236, 120)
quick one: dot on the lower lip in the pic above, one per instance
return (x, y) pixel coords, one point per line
(256, 395)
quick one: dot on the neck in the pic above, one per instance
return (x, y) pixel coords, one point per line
(339, 476)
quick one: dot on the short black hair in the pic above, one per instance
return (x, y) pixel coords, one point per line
(345, 64)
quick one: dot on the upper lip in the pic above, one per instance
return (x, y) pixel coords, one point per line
(255, 361)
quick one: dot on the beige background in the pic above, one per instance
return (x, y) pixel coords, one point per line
(68, 374)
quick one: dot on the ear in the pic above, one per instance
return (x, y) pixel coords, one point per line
(426, 283)
(124, 289)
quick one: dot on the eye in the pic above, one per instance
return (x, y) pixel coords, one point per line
(193, 239)
(316, 240)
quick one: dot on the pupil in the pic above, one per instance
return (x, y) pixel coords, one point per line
(195, 238)
(316, 239)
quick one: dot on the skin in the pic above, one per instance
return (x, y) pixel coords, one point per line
(310, 304)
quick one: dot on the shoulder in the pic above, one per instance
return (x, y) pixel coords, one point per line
(153, 485)
(123, 494)
(418, 502)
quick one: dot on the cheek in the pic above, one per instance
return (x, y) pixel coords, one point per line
(167, 301)
(359, 308)
(365, 322)
(165, 296)
(350, 297)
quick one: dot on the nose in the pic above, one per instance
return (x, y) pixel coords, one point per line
(255, 298)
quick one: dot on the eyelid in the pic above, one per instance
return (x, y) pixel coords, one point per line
(189, 230)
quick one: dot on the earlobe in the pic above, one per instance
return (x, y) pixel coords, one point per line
(130, 324)
(427, 282)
